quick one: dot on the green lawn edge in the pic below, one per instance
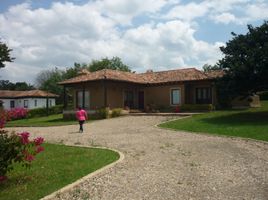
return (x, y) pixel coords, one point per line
(46, 121)
(248, 123)
(59, 165)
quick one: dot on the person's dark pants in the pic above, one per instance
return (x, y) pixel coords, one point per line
(81, 126)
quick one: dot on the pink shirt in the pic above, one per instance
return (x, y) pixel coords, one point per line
(81, 115)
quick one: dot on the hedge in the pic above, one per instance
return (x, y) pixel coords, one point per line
(40, 112)
(196, 107)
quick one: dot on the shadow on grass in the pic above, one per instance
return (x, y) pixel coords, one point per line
(238, 119)
(60, 120)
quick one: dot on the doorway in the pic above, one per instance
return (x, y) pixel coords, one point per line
(141, 100)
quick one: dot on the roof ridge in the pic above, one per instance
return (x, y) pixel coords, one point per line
(168, 70)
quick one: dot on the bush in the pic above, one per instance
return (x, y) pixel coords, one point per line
(116, 112)
(197, 107)
(17, 148)
(40, 112)
(102, 113)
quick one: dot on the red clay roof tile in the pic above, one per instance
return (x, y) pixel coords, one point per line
(30, 93)
(187, 74)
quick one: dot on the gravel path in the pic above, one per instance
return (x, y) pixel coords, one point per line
(165, 164)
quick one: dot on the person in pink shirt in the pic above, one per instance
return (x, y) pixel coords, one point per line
(81, 116)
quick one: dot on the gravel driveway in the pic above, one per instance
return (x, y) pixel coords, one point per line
(165, 164)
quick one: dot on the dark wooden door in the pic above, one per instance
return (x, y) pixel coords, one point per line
(141, 100)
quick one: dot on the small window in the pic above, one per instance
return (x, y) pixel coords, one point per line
(50, 103)
(12, 104)
(175, 96)
(203, 95)
(25, 103)
(35, 103)
(79, 99)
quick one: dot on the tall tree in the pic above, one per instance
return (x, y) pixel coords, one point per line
(21, 86)
(115, 64)
(207, 67)
(245, 62)
(5, 54)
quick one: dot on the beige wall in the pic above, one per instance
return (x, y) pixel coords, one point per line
(95, 94)
(160, 95)
(115, 93)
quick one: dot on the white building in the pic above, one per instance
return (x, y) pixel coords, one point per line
(27, 99)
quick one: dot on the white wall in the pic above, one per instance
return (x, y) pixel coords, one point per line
(19, 103)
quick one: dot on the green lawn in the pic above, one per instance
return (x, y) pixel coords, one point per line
(248, 123)
(51, 120)
(54, 168)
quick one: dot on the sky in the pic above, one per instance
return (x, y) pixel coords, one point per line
(145, 34)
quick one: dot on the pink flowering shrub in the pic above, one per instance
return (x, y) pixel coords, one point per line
(17, 113)
(16, 148)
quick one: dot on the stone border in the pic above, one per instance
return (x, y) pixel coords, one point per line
(208, 134)
(98, 171)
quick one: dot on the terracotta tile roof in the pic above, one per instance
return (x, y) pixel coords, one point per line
(215, 73)
(30, 93)
(188, 74)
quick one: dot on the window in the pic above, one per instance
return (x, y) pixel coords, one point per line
(12, 104)
(129, 98)
(175, 96)
(50, 103)
(79, 99)
(203, 95)
(25, 103)
(35, 103)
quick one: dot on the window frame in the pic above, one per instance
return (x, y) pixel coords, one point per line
(171, 96)
(25, 103)
(77, 97)
(205, 95)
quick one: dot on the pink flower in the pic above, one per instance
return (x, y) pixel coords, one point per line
(24, 137)
(39, 149)
(38, 141)
(29, 157)
(3, 178)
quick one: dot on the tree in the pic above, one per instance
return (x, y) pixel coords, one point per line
(48, 80)
(115, 64)
(5, 54)
(21, 86)
(245, 62)
(207, 67)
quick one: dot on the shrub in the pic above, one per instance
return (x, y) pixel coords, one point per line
(40, 112)
(116, 112)
(197, 107)
(17, 148)
(102, 113)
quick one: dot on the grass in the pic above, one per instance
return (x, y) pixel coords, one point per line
(248, 123)
(51, 120)
(54, 168)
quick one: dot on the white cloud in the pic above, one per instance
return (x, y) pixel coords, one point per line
(187, 12)
(66, 33)
(225, 18)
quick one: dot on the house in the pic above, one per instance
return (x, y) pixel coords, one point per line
(117, 89)
(26, 99)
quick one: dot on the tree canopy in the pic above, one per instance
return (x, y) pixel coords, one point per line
(105, 63)
(245, 62)
(4, 54)
(21, 86)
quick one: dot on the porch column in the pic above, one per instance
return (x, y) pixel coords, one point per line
(64, 98)
(83, 96)
(104, 93)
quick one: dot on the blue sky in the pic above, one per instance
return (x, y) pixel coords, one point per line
(145, 34)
